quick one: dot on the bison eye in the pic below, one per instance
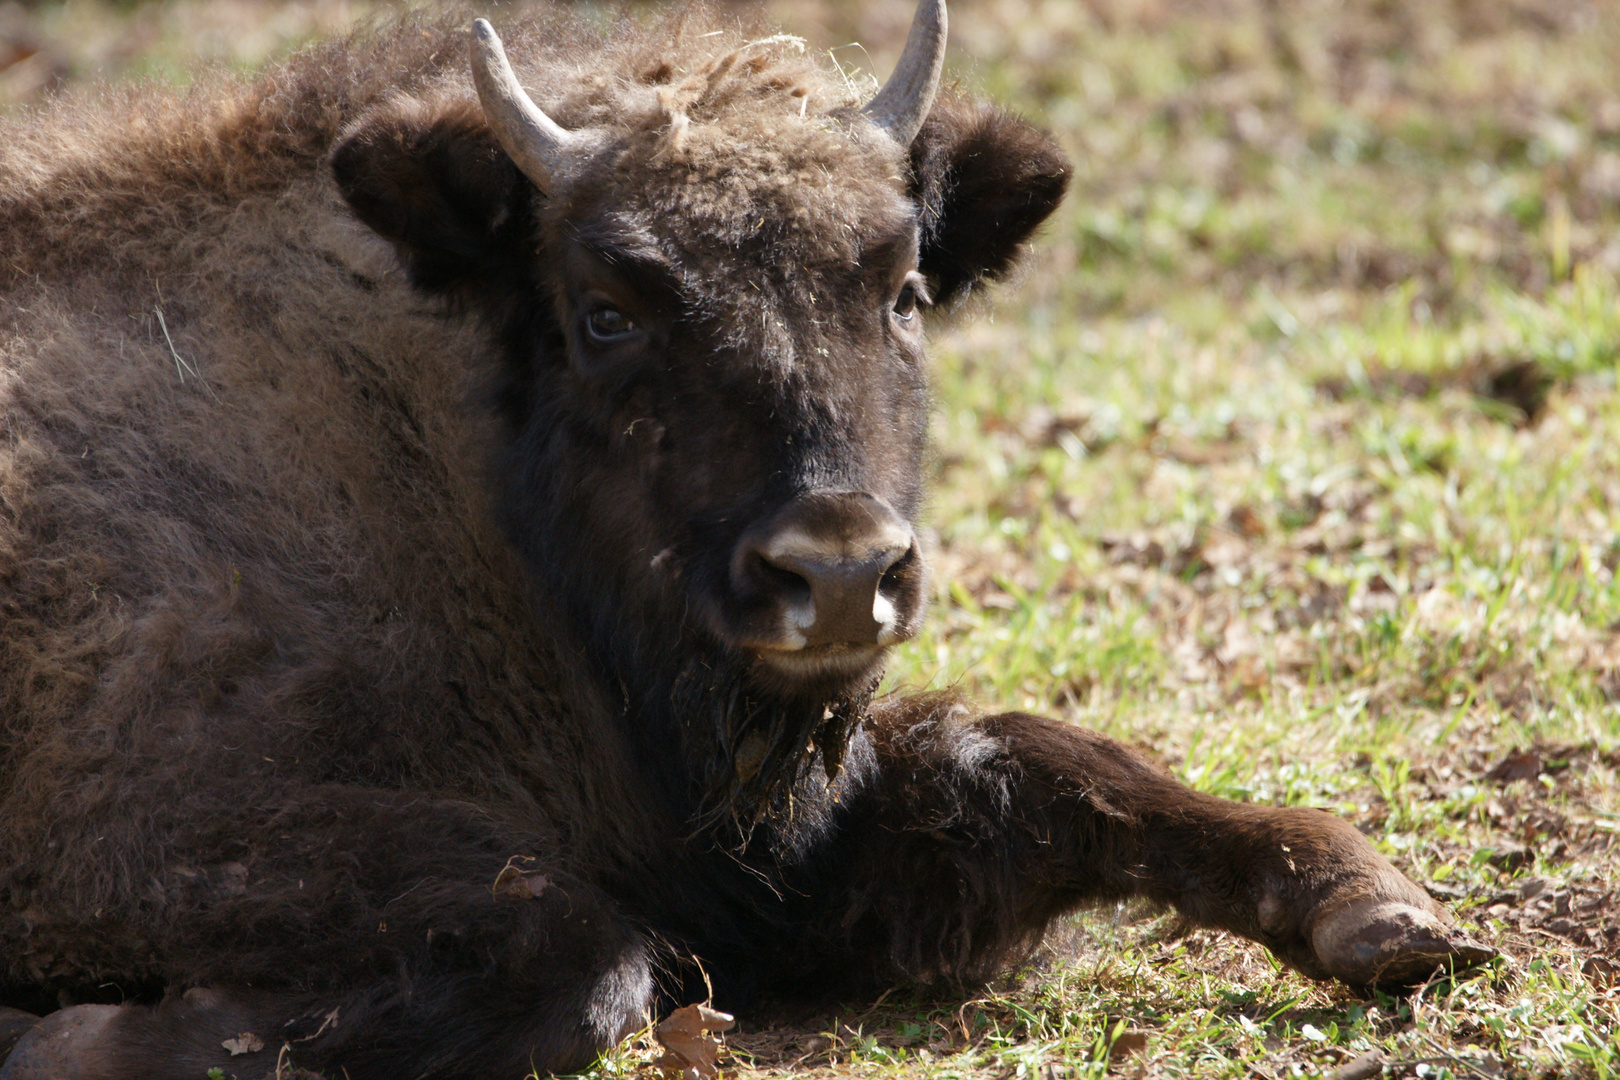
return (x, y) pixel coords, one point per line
(608, 324)
(905, 305)
(911, 295)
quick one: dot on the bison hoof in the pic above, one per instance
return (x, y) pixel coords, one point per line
(1387, 943)
(65, 1045)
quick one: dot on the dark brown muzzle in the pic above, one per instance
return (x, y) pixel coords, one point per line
(838, 569)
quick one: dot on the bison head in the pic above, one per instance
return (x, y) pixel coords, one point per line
(706, 271)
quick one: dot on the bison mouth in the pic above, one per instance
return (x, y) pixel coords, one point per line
(830, 666)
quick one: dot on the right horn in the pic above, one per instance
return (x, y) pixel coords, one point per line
(902, 105)
(534, 141)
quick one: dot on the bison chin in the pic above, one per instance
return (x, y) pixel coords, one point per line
(765, 745)
(754, 728)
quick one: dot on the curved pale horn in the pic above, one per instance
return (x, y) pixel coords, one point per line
(902, 105)
(533, 140)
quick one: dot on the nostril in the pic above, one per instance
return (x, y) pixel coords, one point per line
(777, 580)
(893, 579)
(896, 589)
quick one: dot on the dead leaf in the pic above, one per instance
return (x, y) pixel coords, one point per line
(690, 1050)
(1524, 765)
(1194, 452)
(515, 880)
(1530, 888)
(1126, 1044)
(1247, 520)
(245, 1043)
(1602, 971)
(1248, 677)
(1511, 858)
(1365, 1067)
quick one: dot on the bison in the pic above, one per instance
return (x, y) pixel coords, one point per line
(451, 525)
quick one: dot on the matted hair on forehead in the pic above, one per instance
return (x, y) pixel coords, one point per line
(754, 72)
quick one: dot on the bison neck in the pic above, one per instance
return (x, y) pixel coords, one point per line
(749, 754)
(739, 784)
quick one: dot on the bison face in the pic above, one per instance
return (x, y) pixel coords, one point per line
(707, 291)
(757, 429)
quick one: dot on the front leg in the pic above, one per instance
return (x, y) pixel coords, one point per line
(975, 834)
(1302, 882)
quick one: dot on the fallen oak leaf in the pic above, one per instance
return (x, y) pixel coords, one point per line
(1365, 1067)
(245, 1043)
(1126, 1044)
(1520, 765)
(1602, 971)
(690, 1050)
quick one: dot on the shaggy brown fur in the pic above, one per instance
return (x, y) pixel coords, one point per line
(369, 663)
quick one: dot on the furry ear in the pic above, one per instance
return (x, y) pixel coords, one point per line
(984, 180)
(433, 180)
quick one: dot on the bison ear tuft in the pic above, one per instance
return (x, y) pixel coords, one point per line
(433, 180)
(985, 180)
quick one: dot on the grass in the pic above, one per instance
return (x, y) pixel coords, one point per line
(1295, 456)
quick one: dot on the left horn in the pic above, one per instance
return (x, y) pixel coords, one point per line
(902, 105)
(535, 142)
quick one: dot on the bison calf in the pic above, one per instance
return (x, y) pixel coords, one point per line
(451, 524)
